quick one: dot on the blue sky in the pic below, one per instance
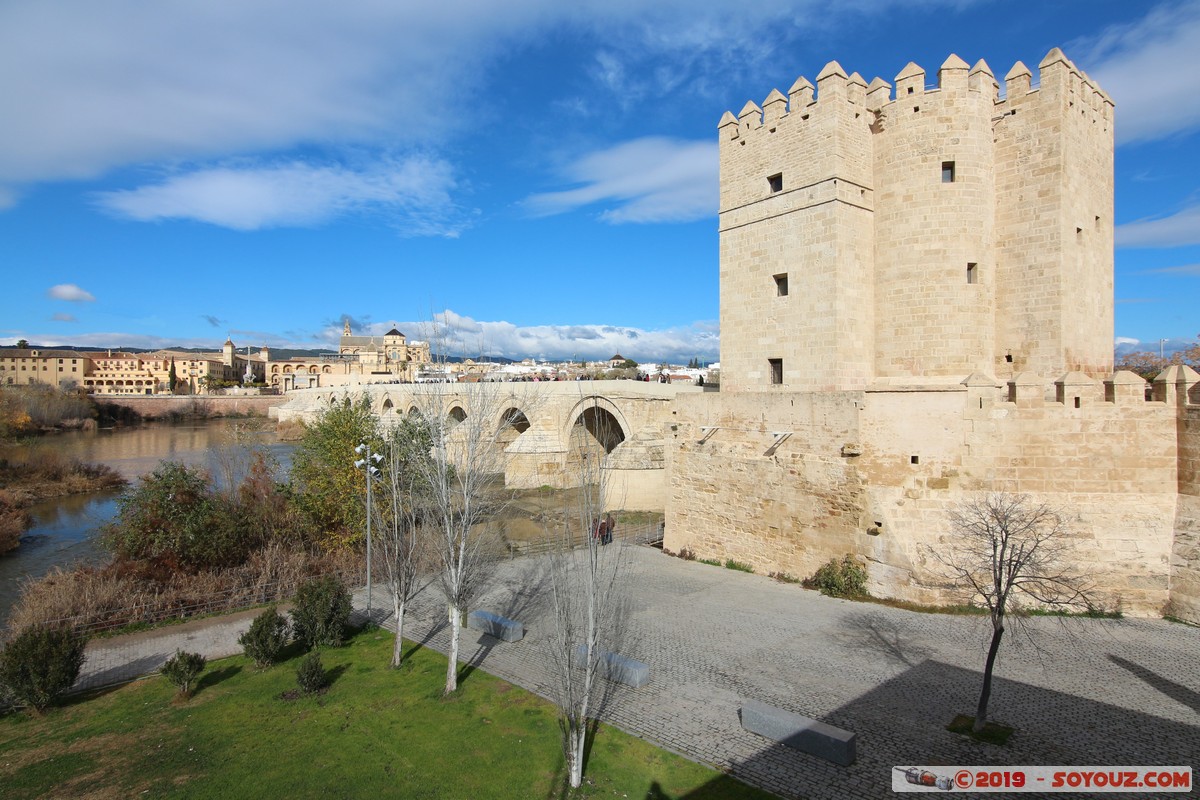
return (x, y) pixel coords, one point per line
(541, 175)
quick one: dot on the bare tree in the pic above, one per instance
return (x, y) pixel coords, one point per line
(585, 572)
(1010, 553)
(464, 477)
(402, 509)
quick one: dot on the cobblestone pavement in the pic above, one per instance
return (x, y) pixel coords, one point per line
(1086, 692)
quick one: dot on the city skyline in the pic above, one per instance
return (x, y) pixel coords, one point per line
(540, 179)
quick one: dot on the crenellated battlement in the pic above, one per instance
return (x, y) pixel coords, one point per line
(923, 231)
(1055, 72)
(879, 242)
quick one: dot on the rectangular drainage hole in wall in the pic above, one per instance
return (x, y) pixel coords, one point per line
(914, 459)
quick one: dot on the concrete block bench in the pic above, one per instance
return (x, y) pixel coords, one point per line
(495, 625)
(801, 733)
(617, 668)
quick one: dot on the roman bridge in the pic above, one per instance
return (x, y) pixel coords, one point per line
(544, 429)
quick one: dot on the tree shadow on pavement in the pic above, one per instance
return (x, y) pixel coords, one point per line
(901, 722)
(1175, 691)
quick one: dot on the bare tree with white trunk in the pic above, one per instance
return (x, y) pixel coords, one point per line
(464, 477)
(1010, 554)
(403, 512)
(586, 575)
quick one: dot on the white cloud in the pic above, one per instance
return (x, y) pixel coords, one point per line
(1124, 345)
(89, 87)
(415, 194)
(1186, 270)
(71, 293)
(1147, 68)
(455, 334)
(652, 179)
(1176, 230)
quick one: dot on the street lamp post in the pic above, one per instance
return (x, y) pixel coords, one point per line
(367, 463)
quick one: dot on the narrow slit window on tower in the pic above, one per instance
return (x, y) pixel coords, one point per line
(776, 370)
(781, 284)
(776, 182)
(947, 172)
(972, 272)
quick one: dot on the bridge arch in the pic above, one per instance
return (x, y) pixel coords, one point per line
(596, 421)
(511, 424)
(386, 405)
(456, 414)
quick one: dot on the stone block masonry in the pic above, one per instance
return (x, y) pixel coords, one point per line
(916, 308)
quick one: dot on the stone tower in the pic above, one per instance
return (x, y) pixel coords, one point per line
(872, 239)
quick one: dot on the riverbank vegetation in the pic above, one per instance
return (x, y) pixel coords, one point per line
(26, 410)
(44, 474)
(185, 544)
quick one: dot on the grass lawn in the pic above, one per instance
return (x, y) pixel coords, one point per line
(375, 733)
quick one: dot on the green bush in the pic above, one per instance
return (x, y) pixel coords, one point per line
(268, 635)
(738, 565)
(840, 578)
(174, 516)
(183, 668)
(310, 675)
(321, 612)
(41, 664)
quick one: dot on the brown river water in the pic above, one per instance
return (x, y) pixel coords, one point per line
(64, 529)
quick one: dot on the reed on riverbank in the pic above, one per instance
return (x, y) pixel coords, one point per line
(129, 593)
(42, 475)
(31, 409)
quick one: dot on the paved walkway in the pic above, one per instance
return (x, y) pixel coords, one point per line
(1087, 692)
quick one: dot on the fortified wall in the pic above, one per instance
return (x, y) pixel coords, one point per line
(917, 307)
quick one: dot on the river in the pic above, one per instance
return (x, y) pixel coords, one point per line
(64, 529)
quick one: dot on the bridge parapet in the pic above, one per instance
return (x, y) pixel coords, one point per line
(622, 421)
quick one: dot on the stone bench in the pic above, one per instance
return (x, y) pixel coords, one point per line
(495, 625)
(617, 668)
(801, 733)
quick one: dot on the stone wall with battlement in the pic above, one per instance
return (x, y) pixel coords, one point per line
(875, 473)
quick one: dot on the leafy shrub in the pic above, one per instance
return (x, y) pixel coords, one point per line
(310, 675)
(327, 486)
(321, 612)
(738, 565)
(840, 578)
(173, 516)
(268, 634)
(712, 562)
(41, 664)
(183, 668)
